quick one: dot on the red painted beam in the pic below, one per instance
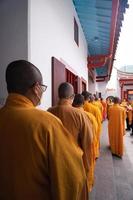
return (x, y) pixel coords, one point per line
(100, 80)
(121, 80)
(97, 60)
(115, 8)
(128, 84)
(101, 76)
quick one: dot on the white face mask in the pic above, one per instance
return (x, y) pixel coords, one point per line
(38, 93)
(39, 90)
(39, 100)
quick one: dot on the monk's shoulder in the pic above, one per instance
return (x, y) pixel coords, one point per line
(92, 117)
(52, 109)
(122, 109)
(78, 113)
(75, 111)
(45, 118)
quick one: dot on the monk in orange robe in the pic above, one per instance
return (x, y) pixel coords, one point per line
(109, 104)
(38, 157)
(124, 103)
(97, 103)
(104, 104)
(74, 120)
(78, 103)
(91, 108)
(116, 127)
(129, 116)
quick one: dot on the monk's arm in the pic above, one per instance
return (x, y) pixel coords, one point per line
(86, 138)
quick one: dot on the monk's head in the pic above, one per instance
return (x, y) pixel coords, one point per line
(116, 100)
(95, 98)
(66, 91)
(22, 77)
(78, 100)
(91, 98)
(86, 95)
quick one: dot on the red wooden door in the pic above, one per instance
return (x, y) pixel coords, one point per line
(74, 80)
(58, 76)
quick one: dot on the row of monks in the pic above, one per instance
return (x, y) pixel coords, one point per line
(96, 110)
(52, 154)
(82, 115)
(128, 105)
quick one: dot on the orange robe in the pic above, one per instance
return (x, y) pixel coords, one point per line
(116, 128)
(104, 113)
(92, 156)
(130, 114)
(38, 157)
(124, 103)
(93, 150)
(78, 125)
(89, 107)
(99, 105)
(108, 106)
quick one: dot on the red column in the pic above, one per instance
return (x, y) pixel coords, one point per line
(121, 91)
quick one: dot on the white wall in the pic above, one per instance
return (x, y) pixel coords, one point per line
(105, 91)
(13, 36)
(118, 89)
(51, 33)
(91, 87)
(101, 87)
(97, 87)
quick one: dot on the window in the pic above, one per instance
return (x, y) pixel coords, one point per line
(83, 86)
(83, 81)
(72, 78)
(76, 32)
(130, 95)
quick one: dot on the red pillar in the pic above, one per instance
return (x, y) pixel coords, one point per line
(121, 91)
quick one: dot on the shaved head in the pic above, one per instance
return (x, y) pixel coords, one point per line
(65, 90)
(86, 95)
(78, 100)
(21, 75)
(116, 100)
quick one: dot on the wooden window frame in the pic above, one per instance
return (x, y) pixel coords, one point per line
(76, 32)
(83, 81)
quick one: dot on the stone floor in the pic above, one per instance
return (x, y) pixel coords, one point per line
(113, 176)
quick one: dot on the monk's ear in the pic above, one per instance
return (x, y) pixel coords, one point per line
(36, 89)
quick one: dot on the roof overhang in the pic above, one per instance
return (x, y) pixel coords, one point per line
(101, 21)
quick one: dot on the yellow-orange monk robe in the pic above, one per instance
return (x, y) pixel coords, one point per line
(109, 104)
(104, 113)
(99, 105)
(38, 158)
(93, 150)
(77, 124)
(95, 129)
(130, 114)
(124, 108)
(92, 155)
(116, 128)
(89, 107)
(124, 103)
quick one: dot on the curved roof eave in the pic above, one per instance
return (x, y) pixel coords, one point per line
(101, 21)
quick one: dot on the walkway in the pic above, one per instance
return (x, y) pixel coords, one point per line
(114, 176)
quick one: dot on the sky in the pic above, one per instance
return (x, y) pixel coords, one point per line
(124, 52)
